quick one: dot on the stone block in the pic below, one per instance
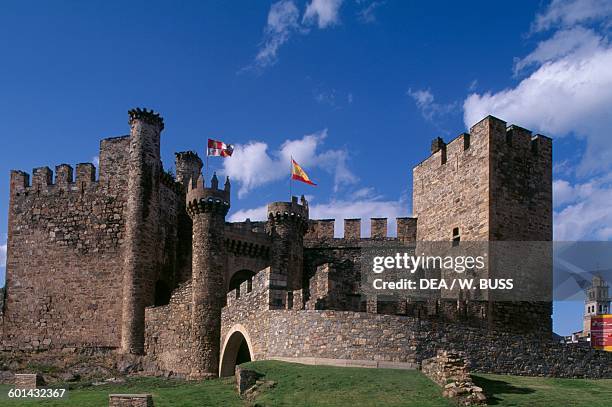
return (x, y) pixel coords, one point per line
(28, 380)
(130, 400)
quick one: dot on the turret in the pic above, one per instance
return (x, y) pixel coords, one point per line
(188, 166)
(207, 208)
(141, 225)
(287, 224)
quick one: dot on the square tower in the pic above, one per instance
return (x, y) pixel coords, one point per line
(491, 184)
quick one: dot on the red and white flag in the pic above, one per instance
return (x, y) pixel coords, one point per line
(219, 148)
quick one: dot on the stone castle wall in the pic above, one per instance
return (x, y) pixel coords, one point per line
(168, 334)
(494, 183)
(66, 249)
(451, 190)
(397, 340)
(77, 278)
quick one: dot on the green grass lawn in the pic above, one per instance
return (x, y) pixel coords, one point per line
(218, 392)
(544, 391)
(301, 385)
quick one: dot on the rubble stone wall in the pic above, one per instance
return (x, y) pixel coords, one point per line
(65, 247)
(362, 336)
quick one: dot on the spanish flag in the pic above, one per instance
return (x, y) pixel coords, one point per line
(297, 173)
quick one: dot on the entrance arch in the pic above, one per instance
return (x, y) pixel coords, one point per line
(237, 349)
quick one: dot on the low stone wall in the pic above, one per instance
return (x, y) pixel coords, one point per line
(130, 400)
(446, 367)
(362, 336)
(449, 370)
(28, 380)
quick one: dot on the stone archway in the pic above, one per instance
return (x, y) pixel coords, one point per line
(237, 349)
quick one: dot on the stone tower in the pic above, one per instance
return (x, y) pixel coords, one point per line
(141, 225)
(492, 184)
(188, 167)
(287, 224)
(597, 302)
(207, 208)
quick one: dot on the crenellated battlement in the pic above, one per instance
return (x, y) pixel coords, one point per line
(201, 199)
(43, 180)
(266, 290)
(323, 229)
(147, 116)
(294, 211)
(188, 167)
(490, 131)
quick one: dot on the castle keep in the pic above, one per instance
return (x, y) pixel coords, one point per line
(141, 262)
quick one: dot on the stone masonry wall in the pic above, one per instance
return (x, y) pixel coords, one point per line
(451, 190)
(248, 309)
(168, 334)
(65, 252)
(356, 335)
(64, 261)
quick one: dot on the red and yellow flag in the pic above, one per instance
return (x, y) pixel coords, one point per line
(297, 173)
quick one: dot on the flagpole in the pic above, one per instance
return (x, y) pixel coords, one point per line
(290, 179)
(206, 163)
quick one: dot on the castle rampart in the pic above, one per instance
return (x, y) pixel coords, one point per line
(65, 241)
(135, 260)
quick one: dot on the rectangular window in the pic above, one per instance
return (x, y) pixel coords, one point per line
(456, 237)
(289, 300)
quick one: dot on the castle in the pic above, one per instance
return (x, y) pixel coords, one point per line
(143, 263)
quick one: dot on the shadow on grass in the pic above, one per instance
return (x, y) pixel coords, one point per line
(492, 388)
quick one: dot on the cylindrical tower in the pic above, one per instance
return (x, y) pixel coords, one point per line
(188, 166)
(287, 224)
(207, 208)
(141, 225)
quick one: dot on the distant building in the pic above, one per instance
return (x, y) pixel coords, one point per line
(597, 302)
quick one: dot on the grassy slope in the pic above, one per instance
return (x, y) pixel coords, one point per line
(544, 391)
(300, 385)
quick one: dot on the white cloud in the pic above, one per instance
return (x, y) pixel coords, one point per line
(3, 255)
(324, 12)
(563, 193)
(426, 104)
(340, 210)
(282, 22)
(578, 42)
(252, 165)
(96, 161)
(567, 13)
(367, 13)
(587, 213)
(568, 94)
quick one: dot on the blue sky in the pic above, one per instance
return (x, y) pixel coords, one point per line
(354, 89)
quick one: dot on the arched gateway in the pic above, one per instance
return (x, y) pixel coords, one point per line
(236, 349)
